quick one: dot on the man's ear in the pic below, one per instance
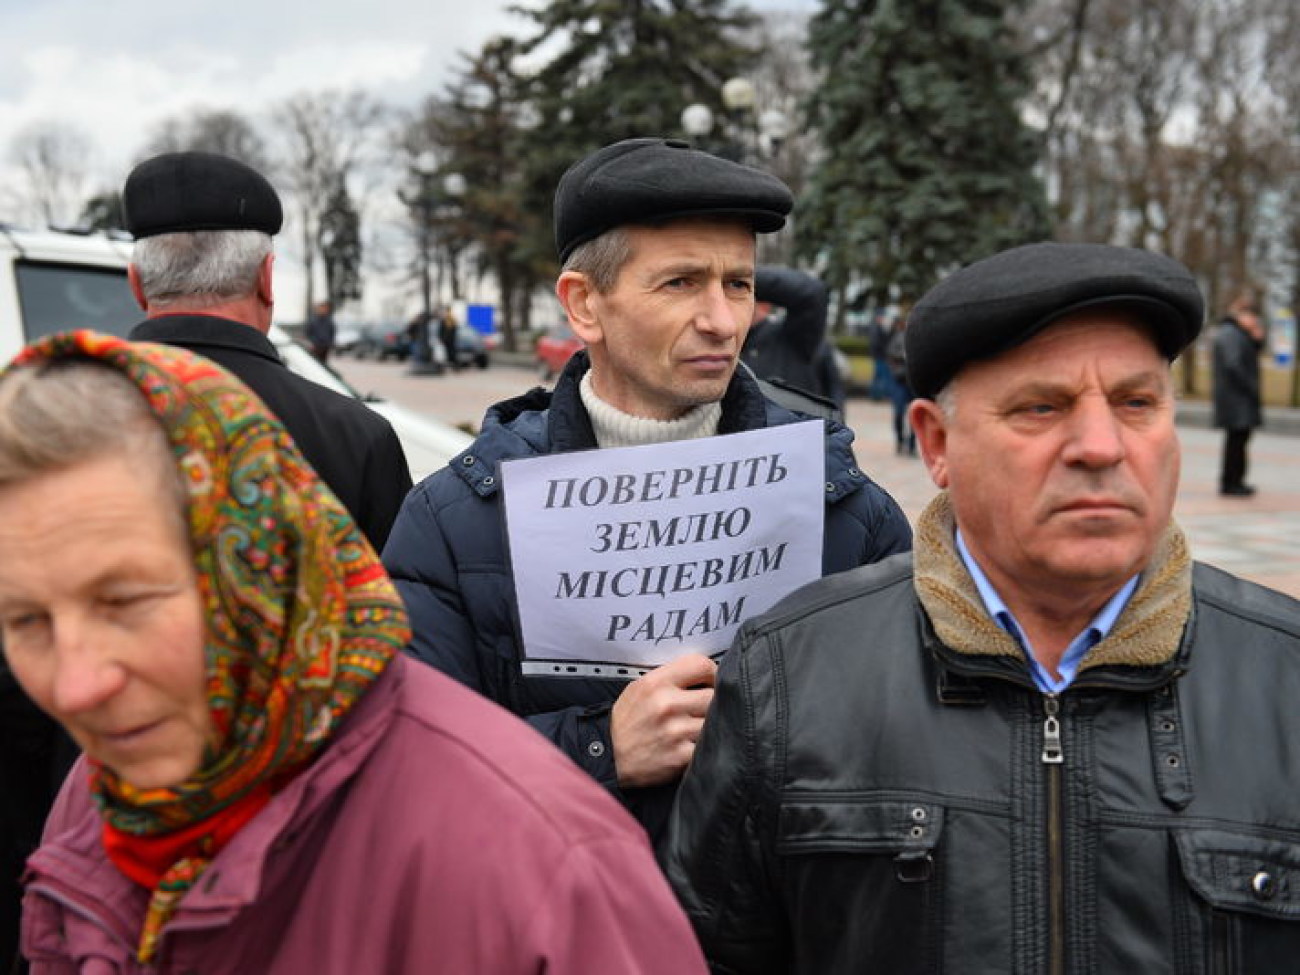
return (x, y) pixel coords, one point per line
(133, 279)
(265, 290)
(579, 298)
(931, 428)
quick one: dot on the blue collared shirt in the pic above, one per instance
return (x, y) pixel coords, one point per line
(1092, 634)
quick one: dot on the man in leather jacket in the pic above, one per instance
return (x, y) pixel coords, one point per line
(657, 244)
(1046, 741)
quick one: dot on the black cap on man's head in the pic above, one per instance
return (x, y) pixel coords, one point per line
(995, 304)
(641, 181)
(184, 191)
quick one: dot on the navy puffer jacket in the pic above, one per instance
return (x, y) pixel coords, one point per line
(448, 555)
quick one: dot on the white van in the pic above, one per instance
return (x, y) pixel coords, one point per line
(51, 281)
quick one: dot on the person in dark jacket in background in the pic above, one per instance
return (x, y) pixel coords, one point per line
(320, 331)
(900, 390)
(447, 336)
(787, 342)
(1045, 741)
(35, 755)
(201, 270)
(657, 243)
(1237, 411)
(882, 379)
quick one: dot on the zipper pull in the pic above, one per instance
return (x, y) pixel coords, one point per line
(1052, 754)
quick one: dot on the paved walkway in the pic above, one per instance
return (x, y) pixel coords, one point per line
(1258, 538)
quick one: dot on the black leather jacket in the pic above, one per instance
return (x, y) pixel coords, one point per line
(869, 797)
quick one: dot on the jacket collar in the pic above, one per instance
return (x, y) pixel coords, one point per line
(210, 330)
(1148, 633)
(76, 860)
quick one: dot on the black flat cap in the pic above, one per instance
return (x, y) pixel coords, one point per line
(996, 304)
(652, 180)
(183, 191)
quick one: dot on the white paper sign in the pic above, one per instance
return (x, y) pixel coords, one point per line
(626, 558)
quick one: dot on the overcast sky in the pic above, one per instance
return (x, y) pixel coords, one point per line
(116, 69)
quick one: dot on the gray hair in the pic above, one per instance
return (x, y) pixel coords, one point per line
(601, 258)
(56, 415)
(946, 398)
(200, 267)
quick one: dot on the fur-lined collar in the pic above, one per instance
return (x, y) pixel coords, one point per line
(1147, 634)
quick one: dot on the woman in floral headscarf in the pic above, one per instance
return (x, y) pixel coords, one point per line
(269, 786)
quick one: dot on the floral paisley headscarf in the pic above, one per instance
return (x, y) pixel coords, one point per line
(300, 617)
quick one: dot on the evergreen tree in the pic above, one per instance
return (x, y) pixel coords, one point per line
(624, 68)
(482, 126)
(339, 240)
(928, 163)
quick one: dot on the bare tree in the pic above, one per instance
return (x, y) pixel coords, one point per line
(220, 130)
(1234, 130)
(1282, 71)
(1106, 105)
(324, 137)
(52, 156)
(784, 79)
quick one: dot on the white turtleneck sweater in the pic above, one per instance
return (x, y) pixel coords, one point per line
(614, 428)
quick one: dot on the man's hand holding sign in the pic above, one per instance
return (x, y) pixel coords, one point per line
(657, 720)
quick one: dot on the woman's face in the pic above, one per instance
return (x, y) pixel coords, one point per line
(102, 617)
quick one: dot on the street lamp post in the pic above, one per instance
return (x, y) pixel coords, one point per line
(749, 136)
(453, 188)
(422, 202)
(738, 98)
(697, 121)
(745, 136)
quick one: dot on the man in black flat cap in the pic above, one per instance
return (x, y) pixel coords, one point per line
(1046, 740)
(657, 244)
(201, 270)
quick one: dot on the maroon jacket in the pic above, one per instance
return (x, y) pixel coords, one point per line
(435, 834)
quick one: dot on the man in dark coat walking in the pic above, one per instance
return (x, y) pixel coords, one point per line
(202, 272)
(1237, 344)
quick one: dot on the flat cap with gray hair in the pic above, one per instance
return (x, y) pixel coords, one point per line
(179, 192)
(639, 181)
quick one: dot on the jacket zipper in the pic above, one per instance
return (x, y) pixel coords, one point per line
(1053, 760)
(72, 903)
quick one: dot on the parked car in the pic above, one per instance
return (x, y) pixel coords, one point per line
(51, 281)
(554, 349)
(471, 347)
(428, 444)
(387, 340)
(347, 337)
